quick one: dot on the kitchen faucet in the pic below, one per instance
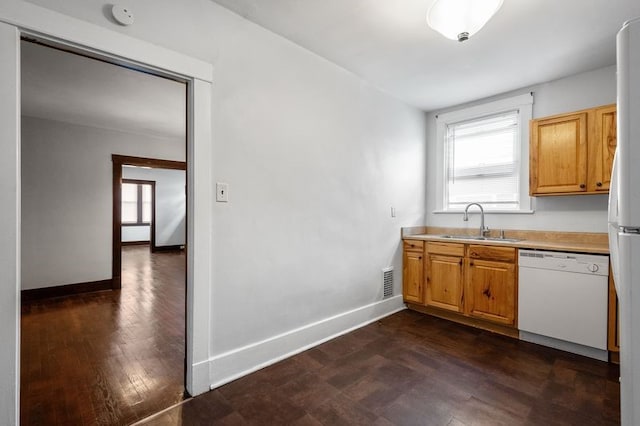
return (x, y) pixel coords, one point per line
(484, 230)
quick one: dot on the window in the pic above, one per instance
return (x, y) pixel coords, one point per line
(137, 200)
(485, 156)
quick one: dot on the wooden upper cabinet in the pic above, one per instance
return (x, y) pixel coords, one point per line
(603, 149)
(558, 154)
(572, 153)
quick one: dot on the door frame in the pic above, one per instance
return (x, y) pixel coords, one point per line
(18, 19)
(118, 162)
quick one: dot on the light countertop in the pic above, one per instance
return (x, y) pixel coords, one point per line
(596, 243)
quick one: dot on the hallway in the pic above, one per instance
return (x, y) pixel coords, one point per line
(110, 357)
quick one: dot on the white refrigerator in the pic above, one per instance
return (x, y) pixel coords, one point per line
(624, 218)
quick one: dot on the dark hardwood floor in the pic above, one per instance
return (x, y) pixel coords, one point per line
(411, 369)
(107, 358)
(113, 358)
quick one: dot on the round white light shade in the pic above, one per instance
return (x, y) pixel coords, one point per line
(453, 17)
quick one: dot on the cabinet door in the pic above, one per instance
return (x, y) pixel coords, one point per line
(602, 148)
(558, 155)
(412, 277)
(491, 291)
(614, 317)
(444, 282)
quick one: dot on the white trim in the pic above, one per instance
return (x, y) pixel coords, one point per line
(563, 345)
(487, 213)
(524, 104)
(200, 276)
(493, 107)
(200, 377)
(239, 362)
(10, 225)
(48, 24)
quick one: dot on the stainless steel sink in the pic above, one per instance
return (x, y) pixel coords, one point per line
(506, 240)
(479, 238)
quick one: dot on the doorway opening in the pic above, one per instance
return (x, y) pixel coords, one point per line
(120, 162)
(91, 349)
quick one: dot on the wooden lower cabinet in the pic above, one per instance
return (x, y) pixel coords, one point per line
(491, 291)
(413, 272)
(444, 282)
(491, 283)
(444, 270)
(613, 329)
(467, 281)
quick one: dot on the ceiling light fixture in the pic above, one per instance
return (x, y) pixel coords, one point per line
(460, 19)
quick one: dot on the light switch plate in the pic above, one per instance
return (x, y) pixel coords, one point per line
(222, 192)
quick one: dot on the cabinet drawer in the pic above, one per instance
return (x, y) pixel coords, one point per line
(507, 254)
(413, 245)
(451, 249)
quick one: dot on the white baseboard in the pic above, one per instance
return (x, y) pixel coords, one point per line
(234, 364)
(575, 348)
(200, 380)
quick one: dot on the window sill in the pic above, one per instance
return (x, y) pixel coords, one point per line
(485, 212)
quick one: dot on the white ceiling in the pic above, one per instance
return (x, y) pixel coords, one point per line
(389, 44)
(62, 86)
(386, 43)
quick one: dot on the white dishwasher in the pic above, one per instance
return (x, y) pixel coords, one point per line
(562, 301)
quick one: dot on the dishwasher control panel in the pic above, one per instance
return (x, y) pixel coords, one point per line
(593, 264)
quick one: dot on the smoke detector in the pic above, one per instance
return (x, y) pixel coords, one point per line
(123, 15)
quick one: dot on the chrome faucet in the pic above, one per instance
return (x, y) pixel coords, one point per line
(484, 230)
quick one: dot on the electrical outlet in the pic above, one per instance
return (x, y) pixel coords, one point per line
(222, 192)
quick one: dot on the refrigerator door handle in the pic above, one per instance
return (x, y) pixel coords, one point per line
(614, 251)
(613, 192)
(614, 255)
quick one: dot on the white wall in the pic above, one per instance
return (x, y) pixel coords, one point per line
(314, 158)
(67, 198)
(580, 213)
(170, 202)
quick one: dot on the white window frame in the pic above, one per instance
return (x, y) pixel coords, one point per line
(524, 105)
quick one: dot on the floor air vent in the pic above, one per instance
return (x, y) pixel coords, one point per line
(387, 282)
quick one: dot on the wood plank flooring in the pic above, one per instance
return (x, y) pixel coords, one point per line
(412, 369)
(107, 358)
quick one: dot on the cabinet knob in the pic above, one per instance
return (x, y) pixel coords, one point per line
(582, 185)
(470, 263)
(598, 183)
